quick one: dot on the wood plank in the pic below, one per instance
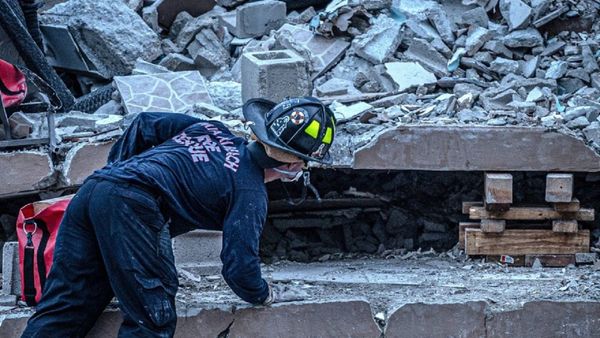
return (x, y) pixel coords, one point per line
(493, 225)
(572, 206)
(559, 187)
(498, 189)
(566, 226)
(530, 214)
(525, 242)
(467, 205)
(461, 232)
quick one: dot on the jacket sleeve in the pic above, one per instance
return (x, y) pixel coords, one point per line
(146, 131)
(241, 235)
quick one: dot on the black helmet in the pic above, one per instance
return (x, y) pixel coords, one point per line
(300, 126)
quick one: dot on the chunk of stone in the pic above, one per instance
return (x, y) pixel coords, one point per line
(344, 113)
(150, 16)
(529, 37)
(497, 47)
(529, 67)
(146, 68)
(409, 74)
(535, 95)
(335, 87)
(208, 110)
(380, 42)
(207, 50)
(498, 101)
(422, 52)
(570, 85)
(579, 73)
(258, 18)
(475, 17)
(557, 70)
(274, 75)
(516, 13)
(82, 160)
(167, 92)
(595, 80)
(37, 166)
(578, 123)
(192, 28)
(504, 66)
(226, 94)
(592, 132)
(421, 29)
(573, 113)
(321, 52)
(439, 19)
(553, 47)
(476, 39)
(179, 22)
(20, 125)
(468, 115)
(111, 122)
(589, 60)
(176, 62)
(82, 121)
(110, 35)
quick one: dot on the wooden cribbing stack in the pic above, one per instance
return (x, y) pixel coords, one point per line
(549, 233)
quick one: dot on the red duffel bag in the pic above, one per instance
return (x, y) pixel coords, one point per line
(13, 85)
(37, 226)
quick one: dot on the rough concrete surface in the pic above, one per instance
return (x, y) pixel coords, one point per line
(82, 160)
(25, 171)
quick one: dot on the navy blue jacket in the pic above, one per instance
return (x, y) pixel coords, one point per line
(206, 179)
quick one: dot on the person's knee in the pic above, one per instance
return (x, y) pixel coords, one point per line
(158, 303)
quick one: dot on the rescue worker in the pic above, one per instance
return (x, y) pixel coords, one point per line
(169, 174)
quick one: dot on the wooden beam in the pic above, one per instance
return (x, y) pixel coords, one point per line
(530, 214)
(572, 206)
(493, 225)
(525, 242)
(559, 188)
(467, 205)
(566, 226)
(461, 232)
(498, 191)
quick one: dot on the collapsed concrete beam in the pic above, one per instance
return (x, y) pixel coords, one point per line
(24, 171)
(82, 160)
(475, 149)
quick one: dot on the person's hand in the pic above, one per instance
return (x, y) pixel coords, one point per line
(280, 293)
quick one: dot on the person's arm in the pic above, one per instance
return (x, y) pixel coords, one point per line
(146, 131)
(241, 235)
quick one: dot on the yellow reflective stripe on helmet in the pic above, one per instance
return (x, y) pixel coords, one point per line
(328, 136)
(313, 129)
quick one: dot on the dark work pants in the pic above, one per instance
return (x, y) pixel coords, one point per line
(113, 241)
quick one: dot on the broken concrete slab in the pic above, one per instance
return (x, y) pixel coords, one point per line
(110, 35)
(475, 17)
(504, 66)
(336, 87)
(142, 67)
(478, 36)
(321, 52)
(82, 160)
(344, 113)
(258, 18)
(193, 27)
(274, 75)
(25, 171)
(444, 320)
(557, 70)
(168, 10)
(176, 62)
(468, 148)
(167, 92)
(529, 38)
(422, 52)
(207, 51)
(380, 42)
(561, 319)
(409, 74)
(439, 19)
(11, 276)
(516, 13)
(351, 318)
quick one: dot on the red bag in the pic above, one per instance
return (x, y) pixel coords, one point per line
(13, 85)
(37, 226)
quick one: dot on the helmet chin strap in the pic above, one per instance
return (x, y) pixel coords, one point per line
(305, 186)
(259, 154)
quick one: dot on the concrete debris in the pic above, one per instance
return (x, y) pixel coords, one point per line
(504, 66)
(528, 38)
(557, 70)
(166, 92)
(516, 13)
(409, 74)
(336, 87)
(476, 39)
(475, 17)
(425, 54)
(380, 42)
(258, 18)
(345, 113)
(176, 62)
(442, 24)
(21, 125)
(109, 33)
(207, 50)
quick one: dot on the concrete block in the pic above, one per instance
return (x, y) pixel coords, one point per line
(546, 319)
(437, 320)
(559, 188)
(11, 277)
(498, 188)
(82, 160)
(322, 53)
(259, 18)
(166, 92)
(333, 319)
(25, 171)
(198, 247)
(98, 28)
(274, 75)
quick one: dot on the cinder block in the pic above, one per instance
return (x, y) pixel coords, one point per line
(274, 75)
(199, 247)
(559, 188)
(11, 278)
(498, 189)
(259, 18)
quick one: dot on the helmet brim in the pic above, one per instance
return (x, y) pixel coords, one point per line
(255, 111)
